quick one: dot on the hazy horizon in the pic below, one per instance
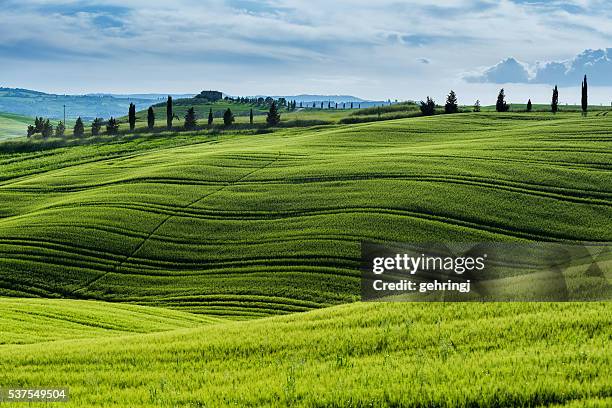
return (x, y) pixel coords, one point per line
(515, 94)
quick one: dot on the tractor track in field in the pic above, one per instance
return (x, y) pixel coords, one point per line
(140, 251)
(449, 219)
(591, 197)
(144, 241)
(318, 266)
(114, 256)
(109, 157)
(563, 193)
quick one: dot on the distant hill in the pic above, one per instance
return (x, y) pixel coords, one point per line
(150, 96)
(308, 100)
(34, 103)
(320, 98)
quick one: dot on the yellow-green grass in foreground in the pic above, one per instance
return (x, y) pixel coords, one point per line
(25, 321)
(358, 355)
(255, 225)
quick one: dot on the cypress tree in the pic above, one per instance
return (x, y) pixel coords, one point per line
(47, 128)
(228, 117)
(79, 128)
(191, 121)
(150, 118)
(60, 129)
(96, 125)
(169, 113)
(273, 116)
(451, 103)
(501, 105)
(529, 105)
(132, 116)
(585, 97)
(251, 117)
(38, 124)
(210, 117)
(554, 105)
(428, 108)
(112, 127)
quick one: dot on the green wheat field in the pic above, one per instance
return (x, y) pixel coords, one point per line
(166, 269)
(12, 125)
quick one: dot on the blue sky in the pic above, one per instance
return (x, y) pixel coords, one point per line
(374, 49)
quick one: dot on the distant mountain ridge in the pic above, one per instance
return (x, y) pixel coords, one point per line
(35, 103)
(32, 103)
(151, 96)
(320, 98)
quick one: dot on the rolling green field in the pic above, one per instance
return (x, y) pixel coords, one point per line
(375, 355)
(198, 229)
(27, 321)
(250, 225)
(13, 125)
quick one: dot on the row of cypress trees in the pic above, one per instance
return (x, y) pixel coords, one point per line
(554, 104)
(428, 106)
(191, 120)
(44, 127)
(112, 126)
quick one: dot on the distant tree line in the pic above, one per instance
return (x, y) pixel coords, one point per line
(191, 119)
(428, 107)
(282, 103)
(501, 105)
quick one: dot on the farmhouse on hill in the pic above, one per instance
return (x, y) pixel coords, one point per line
(212, 96)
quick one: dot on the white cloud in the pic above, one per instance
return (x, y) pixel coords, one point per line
(596, 64)
(507, 71)
(375, 49)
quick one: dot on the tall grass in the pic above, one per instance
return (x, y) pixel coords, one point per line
(378, 355)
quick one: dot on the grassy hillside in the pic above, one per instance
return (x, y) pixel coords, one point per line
(358, 355)
(545, 107)
(26, 321)
(13, 125)
(251, 225)
(201, 107)
(241, 113)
